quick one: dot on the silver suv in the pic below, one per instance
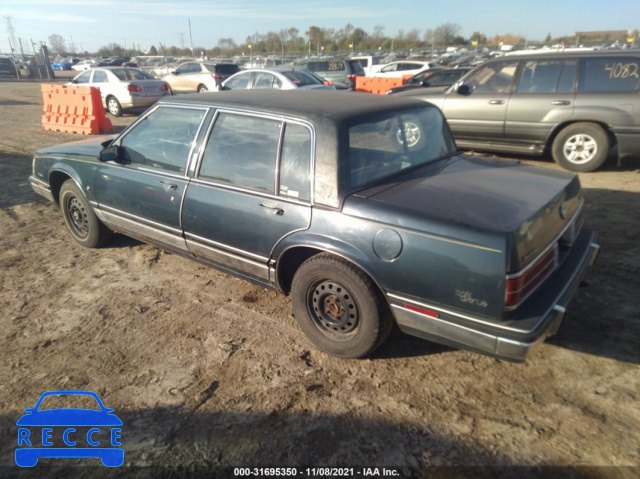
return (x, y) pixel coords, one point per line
(576, 106)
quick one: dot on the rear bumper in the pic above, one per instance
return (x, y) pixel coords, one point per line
(538, 318)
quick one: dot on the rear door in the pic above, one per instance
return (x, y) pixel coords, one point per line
(252, 188)
(480, 115)
(544, 97)
(142, 196)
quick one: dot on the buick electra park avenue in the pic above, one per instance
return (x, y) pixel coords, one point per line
(360, 207)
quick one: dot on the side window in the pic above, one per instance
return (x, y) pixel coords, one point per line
(195, 68)
(390, 68)
(240, 82)
(539, 76)
(295, 162)
(567, 77)
(183, 68)
(100, 77)
(263, 80)
(242, 151)
(84, 77)
(163, 139)
(493, 78)
(609, 74)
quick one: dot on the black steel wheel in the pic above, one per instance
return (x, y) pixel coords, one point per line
(339, 307)
(80, 219)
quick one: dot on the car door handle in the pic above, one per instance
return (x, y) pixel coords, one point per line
(276, 211)
(496, 102)
(560, 102)
(169, 186)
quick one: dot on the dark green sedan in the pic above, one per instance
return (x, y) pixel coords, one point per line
(358, 206)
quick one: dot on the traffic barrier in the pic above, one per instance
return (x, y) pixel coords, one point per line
(74, 109)
(378, 85)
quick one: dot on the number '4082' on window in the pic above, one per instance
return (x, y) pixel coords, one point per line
(622, 70)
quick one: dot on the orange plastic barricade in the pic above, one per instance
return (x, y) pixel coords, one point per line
(74, 109)
(377, 85)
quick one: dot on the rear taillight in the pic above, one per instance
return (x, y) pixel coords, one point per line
(164, 87)
(351, 77)
(133, 88)
(215, 76)
(327, 82)
(519, 285)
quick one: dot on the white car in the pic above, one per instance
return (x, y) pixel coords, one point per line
(401, 68)
(123, 88)
(280, 78)
(84, 65)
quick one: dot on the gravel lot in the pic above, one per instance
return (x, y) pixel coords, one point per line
(206, 370)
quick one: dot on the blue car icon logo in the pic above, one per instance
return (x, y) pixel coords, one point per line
(78, 432)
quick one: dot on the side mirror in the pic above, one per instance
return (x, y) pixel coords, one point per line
(464, 89)
(112, 153)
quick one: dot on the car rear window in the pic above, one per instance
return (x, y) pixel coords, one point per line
(387, 144)
(126, 74)
(223, 69)
(326, 66)
(609, 74)
(301, 78)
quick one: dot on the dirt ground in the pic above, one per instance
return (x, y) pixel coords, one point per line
(206, 370)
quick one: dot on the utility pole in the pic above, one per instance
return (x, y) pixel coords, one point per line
(191, 38)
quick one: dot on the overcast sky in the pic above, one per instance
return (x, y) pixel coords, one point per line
(95, 23)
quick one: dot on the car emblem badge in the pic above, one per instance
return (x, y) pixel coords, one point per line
(563, 212)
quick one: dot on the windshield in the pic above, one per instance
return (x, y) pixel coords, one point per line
(385, 145)
(132, 74)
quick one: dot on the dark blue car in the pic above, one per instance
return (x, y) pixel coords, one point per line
(32, 446)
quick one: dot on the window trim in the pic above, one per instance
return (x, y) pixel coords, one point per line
(282, 118)
(184, 175)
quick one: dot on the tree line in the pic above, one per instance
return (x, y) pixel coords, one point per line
(317, 40)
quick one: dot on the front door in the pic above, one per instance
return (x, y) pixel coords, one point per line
(480, 115)
(238, 207)
(141, 196)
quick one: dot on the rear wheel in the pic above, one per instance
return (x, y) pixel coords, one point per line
(114, 107)
(339, 307)
(581, 147)
(82, 222)
(202, 89)
(411, 131)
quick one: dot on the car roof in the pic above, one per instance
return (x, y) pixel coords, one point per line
(311, 105)
(561, 54)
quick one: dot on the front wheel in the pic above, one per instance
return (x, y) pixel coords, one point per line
(82, 222)
(339, 307)
(114, 107)
(410, 133)
(581, 147)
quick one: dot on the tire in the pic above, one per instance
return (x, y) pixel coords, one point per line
(82, 222)
(114, 107)
(581, 147)
(339, 307)
(202, 89)
(412, 131)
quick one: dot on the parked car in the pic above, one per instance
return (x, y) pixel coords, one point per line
(83, 65)
(441, 78)
(367, 61)
(116, 61)
(402, 68)
(278, 78)
(61, 65)
(7, 67)
(358, 206)
(575, 106)
(341, 72)
(195, 76)
(123, 88)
